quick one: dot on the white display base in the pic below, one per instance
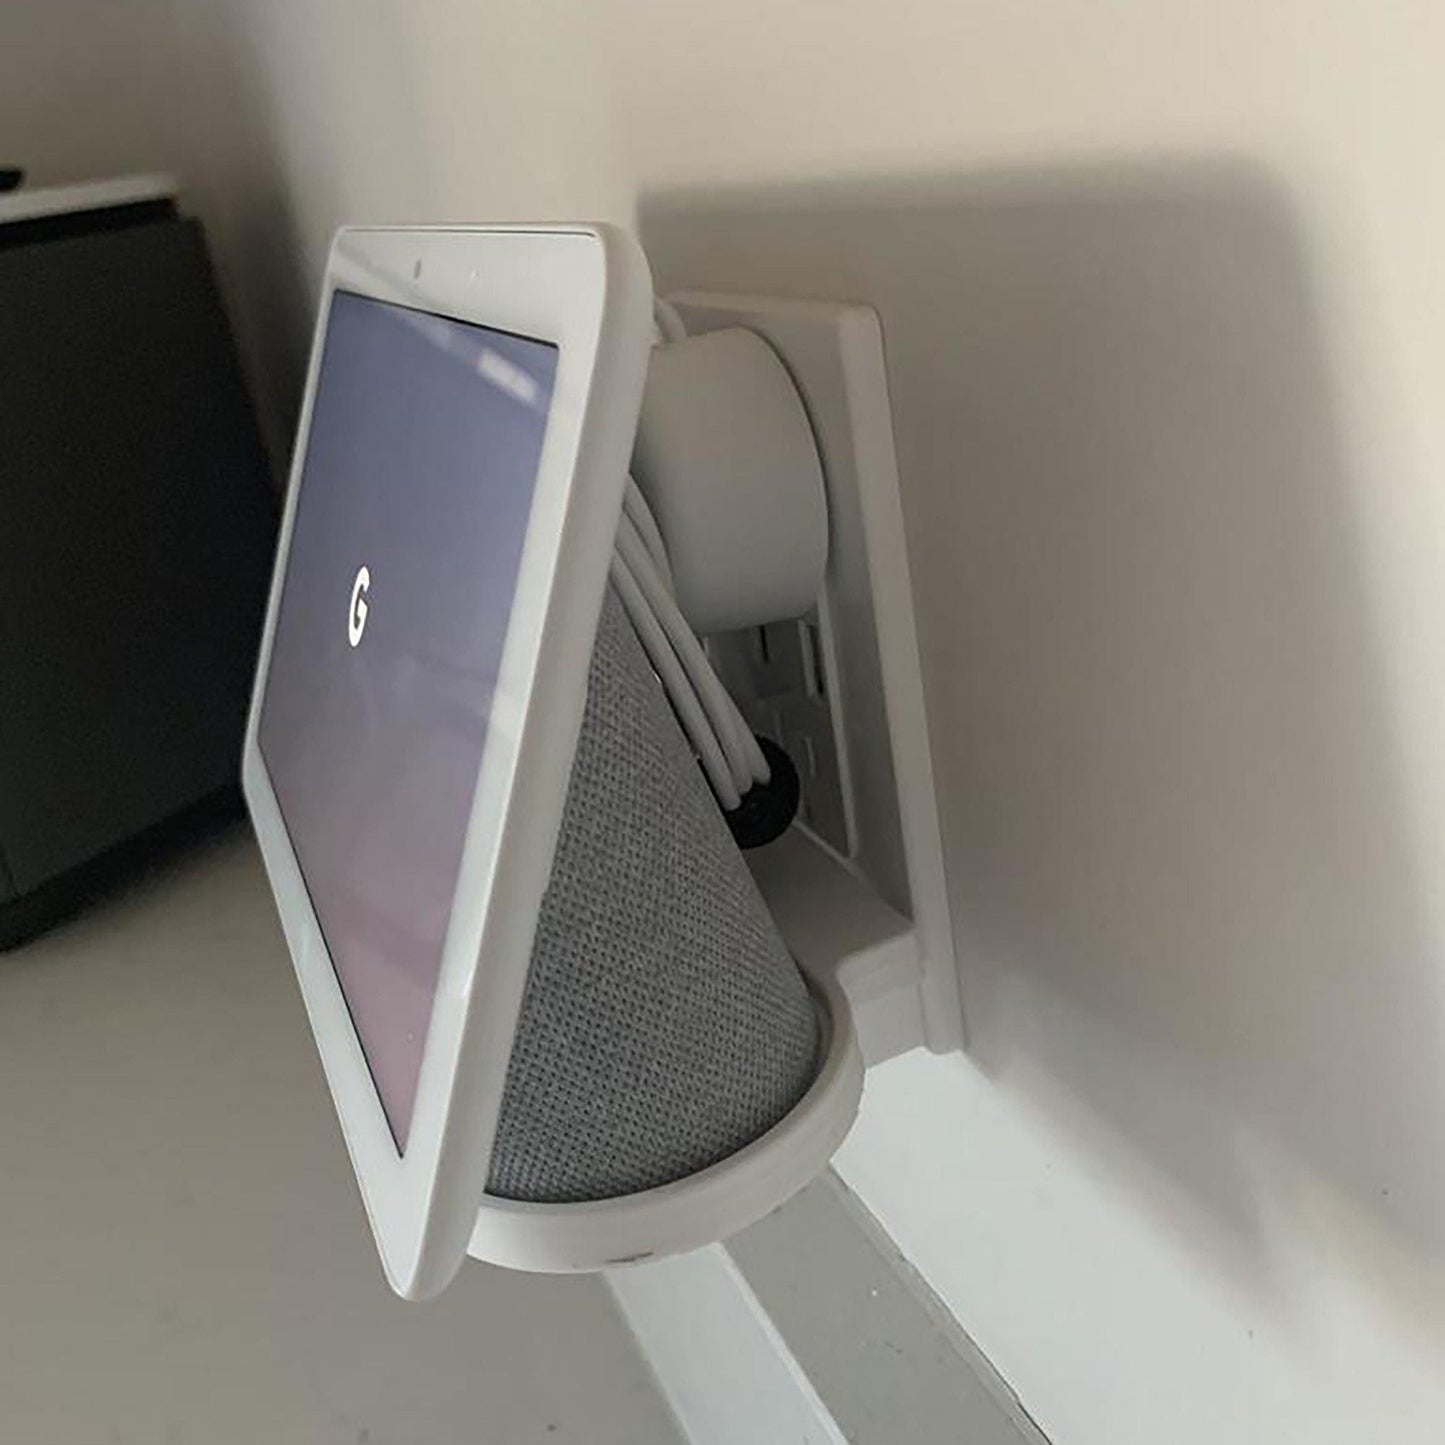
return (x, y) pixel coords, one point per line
(703, 1207)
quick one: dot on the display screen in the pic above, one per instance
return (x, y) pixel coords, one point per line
(420, 465)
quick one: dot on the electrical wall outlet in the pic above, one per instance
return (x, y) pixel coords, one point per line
(841, 689)
(781, 677)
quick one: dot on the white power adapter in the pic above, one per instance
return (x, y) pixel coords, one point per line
(725, 526)
(726, 457)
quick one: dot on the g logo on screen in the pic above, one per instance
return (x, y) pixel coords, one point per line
(356, 619)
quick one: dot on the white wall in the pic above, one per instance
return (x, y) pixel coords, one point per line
(1166, 323)
(87, 88)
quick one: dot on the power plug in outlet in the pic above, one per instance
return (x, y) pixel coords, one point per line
(780, 676)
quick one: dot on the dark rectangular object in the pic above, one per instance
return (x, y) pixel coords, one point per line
(58, 225)
(136, 533)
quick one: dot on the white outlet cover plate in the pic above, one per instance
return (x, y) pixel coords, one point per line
(834, 352)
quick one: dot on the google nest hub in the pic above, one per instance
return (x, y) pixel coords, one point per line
(464, 439)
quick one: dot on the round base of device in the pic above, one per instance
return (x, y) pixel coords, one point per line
(701, 1208)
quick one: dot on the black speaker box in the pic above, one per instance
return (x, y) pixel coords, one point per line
(137, 522)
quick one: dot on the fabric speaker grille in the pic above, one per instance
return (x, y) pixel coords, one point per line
(664, 1025)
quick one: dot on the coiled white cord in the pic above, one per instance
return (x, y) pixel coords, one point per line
(717, 730)
(668, 320)
(731, 758)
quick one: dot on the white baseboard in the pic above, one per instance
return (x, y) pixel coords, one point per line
(810, 1329)
(721, 1365)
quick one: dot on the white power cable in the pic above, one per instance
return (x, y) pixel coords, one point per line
(739, 745)
(714, 695)
(683, 695)
(635, 506)
(668, 320)
(642, 575)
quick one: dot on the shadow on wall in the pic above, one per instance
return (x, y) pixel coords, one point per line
(238, 182)
(1184, 889)
(293, 141)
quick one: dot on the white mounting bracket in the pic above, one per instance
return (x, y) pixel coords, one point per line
(871, 903)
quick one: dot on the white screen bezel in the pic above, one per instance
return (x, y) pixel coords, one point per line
(586, 291)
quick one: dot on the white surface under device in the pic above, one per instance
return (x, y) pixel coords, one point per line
(470, 412)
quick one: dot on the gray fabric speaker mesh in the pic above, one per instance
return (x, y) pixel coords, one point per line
(664, 1025)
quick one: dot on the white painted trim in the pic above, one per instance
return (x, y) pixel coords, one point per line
(722, 1366)
(30, 205)
(811, 1326)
